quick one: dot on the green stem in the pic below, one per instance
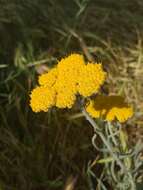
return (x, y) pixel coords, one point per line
(111, 133)
(108, 145)
(97, 130)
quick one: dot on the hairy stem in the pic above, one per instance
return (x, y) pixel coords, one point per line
(97, 130)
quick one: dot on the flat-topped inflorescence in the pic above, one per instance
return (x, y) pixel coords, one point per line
(71, 76)
(109, 108)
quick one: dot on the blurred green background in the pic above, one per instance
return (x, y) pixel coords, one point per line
(49, 151)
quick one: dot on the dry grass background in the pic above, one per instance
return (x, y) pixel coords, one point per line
(47, 150)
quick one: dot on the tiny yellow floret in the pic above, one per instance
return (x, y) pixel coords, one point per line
(42, 98)
(109, 108)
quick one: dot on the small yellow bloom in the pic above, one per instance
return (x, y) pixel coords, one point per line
(68, 71)
(48, 79)
(65, 98)
(90, 79)
(109, 108)
(66, 83)
(72, 62)
(42, 98)
(61, 84)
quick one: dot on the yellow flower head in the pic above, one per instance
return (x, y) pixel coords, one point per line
(42, 98)
(61, 84)
(66, 84)
(109, 108)
(65, 98)
(90, 79)
(72, 62)
(48, 79)
(68, 71)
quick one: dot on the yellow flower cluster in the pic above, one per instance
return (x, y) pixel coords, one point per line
(48, 79)
(90, 79)
(70, 77)
(109, 108)
(66, 85)
(42, 98)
